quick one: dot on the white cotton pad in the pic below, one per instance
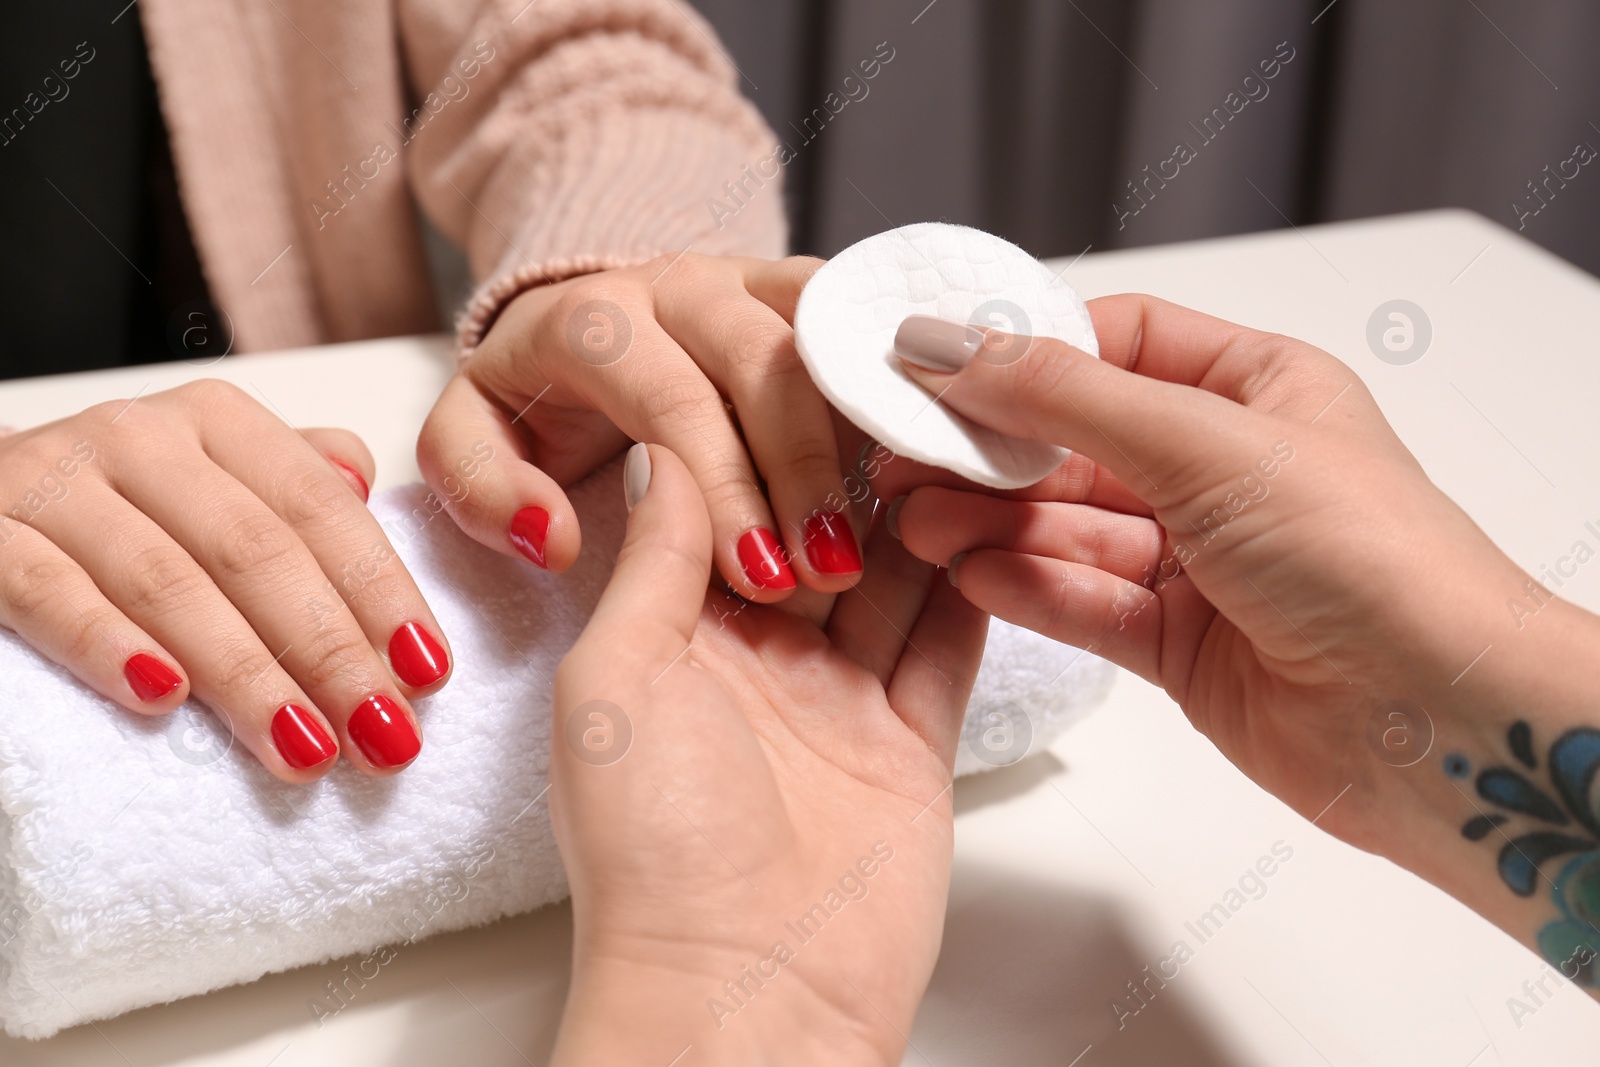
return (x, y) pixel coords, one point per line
(851, 309)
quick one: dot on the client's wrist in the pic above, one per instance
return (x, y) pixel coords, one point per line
(715, 1006)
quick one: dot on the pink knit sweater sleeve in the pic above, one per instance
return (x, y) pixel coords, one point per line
(570, 136)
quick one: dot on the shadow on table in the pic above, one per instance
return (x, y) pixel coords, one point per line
(998, 786)
(1027, 974)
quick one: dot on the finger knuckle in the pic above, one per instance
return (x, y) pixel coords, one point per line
(1132, 608)
(83, 632)
(725, 485)
(213, 395)
(816, 460)
(598, 288)
(1286, 368)
(594, 322)
(682, 400)
(336, 656)
(120, 422)
(1074, 481)
(1127, 546)
(1048, 367)
(679, 269)
(252, 544)
(1060, 610)
(756, 348)
(315, 496)
(656, 264)
(26, 461)
(104, 414)
(1083, 538)
(161, 580)
(1117, 546)
(243, 665)
(29, 589)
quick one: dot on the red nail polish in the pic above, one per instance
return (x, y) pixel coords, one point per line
(830, 544)
(417, 658)
(300, 738)
(383, 733)
(529, 528)
(762, 559)
(149, 677)
(366, 490)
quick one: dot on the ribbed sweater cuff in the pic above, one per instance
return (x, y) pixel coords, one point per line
(623, 188)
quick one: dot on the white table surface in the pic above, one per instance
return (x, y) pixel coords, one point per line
(1081, 865)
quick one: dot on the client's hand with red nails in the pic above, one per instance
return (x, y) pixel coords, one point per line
(1240, 525)
(188, 542)
(754, 811)
(694, 352)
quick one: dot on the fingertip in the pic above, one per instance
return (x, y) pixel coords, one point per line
(825, 550)
(155, 684)
(667, 483)
(923, 521)
(891, 517)
(384, 737)
(635, 474)
(762, 571)
(307, 776)
(348, 454)
(529, 533)
(357, 481)
(953, 566)
(471, 457)
(371, 770)
(299, 745)
(545, 533)
(419, 658)
(666, 556)
(158, 710)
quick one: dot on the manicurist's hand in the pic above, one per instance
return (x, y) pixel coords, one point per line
(754, 812)
(1240, 525)
(695, 352)
(188, 542)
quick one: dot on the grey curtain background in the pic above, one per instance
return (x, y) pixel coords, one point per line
(1031, 117)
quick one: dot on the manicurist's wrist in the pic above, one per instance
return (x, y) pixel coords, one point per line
(1528, 685)
(627, 1011)
(1483, 784)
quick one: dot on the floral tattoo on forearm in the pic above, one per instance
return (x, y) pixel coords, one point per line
(1534, 826)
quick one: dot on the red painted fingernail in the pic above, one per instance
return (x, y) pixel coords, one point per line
(361, 483)
(830, 545)
(417, 658)
(528, 530)
(149, 677)
(762, 559)
(300, 738)
(383, 733)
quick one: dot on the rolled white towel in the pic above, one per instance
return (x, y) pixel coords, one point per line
(146, 860)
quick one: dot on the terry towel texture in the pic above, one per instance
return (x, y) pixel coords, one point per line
(143, 860)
